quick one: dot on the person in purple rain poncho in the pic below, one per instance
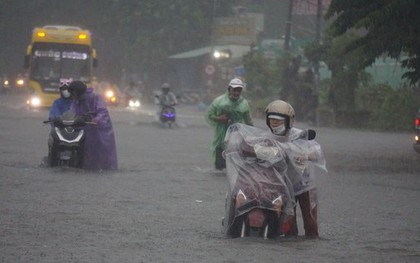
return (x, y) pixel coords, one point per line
(99, 148)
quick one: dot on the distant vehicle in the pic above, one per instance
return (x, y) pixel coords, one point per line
(5, 85)
(167, 116)
(109, 92)
(110, 96)
(17, 84)
(20, 82)
(57, 52)
(416, 144)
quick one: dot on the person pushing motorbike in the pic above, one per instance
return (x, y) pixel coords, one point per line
(280, 117)
(225, 110)
(99, 151)
(270, 171)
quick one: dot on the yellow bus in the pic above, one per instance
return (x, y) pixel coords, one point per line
(56, 52)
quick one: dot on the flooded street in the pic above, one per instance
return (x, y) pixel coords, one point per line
(165, 204)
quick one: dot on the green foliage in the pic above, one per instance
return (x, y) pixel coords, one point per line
(344, 66)
(270, 79)
(385, 26)
(390, 109)
(260, 73)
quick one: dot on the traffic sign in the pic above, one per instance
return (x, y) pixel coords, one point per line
(210, 69)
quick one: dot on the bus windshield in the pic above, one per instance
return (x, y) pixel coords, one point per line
(51, 61)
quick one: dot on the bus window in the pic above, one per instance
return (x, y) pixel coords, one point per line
(45, 68)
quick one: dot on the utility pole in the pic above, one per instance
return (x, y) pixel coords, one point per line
(288, 30)
(316, 66)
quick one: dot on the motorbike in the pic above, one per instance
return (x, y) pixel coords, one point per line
(66, 149)
(131, 97)
(5, 86)
(167, 115)
(134, 103)
(260, 198)
(416, 144)
(111, 97)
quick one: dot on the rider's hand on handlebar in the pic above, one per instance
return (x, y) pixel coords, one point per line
(300, 159)
(56, 120)
(87, 117)
(267, 153)
(80, 120)
(222, 119)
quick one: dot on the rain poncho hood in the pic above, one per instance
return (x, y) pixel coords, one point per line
(59, 106)
(99, 149)
(238, 112)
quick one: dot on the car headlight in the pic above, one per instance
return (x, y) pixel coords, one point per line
(20, 82)
(34, 102)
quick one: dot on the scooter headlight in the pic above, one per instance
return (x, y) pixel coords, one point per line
(109, 93)
(240, 198)
(278, 204)
(134, 103)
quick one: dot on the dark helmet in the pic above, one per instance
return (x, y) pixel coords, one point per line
(165, 87)
(77, 88)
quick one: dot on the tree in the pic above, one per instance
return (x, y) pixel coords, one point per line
(387, 27)
(151, 31)
(346, 70)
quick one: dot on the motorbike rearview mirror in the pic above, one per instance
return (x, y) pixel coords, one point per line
(311, 134)
(305, 134)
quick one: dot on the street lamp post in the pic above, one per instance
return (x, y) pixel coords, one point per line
(288, 27)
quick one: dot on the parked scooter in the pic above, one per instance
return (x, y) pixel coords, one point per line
(416, 144)
(68, 138)
(260, 196)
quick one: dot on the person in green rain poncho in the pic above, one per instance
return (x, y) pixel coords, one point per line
(225, 110)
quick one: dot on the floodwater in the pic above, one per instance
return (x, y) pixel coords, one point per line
(165, 204)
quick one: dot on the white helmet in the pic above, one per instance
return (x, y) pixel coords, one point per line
(236, 83)
(280, 109)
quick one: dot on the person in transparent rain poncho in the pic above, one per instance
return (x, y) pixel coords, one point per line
(278, 162)
(280, 117)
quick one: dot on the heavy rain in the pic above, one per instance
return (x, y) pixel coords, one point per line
(346, 77)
